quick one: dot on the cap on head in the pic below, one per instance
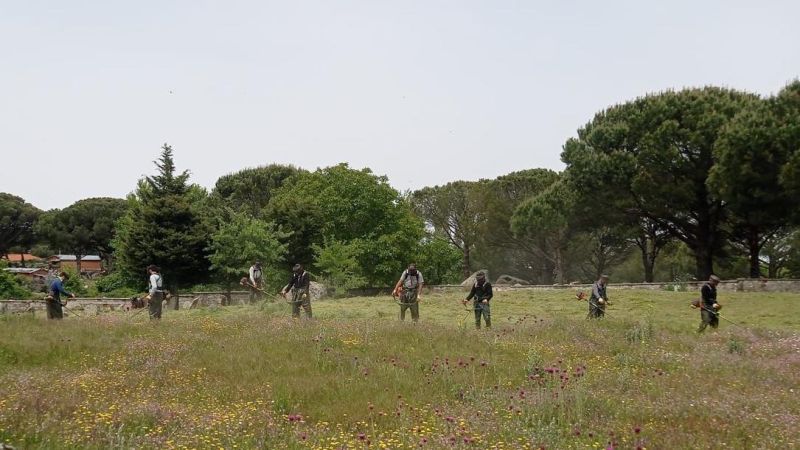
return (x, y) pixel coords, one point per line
(603, 277)
(714, 278)
(412, 266)
(480, 276)
(297, 268)
(257, 264)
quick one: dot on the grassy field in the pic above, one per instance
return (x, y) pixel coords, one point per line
(355, 377)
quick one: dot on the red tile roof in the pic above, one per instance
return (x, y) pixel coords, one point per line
(17, 257)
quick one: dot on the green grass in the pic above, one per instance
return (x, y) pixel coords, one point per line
(355, 377)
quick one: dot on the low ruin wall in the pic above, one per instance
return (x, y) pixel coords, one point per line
(191, 300)
(738, 285)
(91, 306)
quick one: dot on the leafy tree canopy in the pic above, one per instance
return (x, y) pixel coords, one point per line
(85, 227)
(17, 220)
(164, 227)
(341, 204)
(243, 240)
(250, 190)
(651, 158)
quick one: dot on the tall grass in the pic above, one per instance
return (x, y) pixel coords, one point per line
(356, 377)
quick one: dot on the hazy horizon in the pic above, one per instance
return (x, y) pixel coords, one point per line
(422, 92)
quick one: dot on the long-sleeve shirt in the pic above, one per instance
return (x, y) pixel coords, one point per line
(255, 276)
(57, 288)
(299, 281)
(599, 291)
(480, 293)
(708, 293)
(156, 283)
(409, 281)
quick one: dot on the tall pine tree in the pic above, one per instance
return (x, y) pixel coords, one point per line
(163, 227)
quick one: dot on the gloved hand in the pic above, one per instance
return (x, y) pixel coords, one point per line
(600, 301)
(716, 306)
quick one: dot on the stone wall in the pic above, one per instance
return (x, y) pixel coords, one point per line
(738, 285)
(93, 306)
(90, 306)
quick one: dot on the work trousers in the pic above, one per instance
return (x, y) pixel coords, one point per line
(301, 297)
(482, 309)
(707, 318)
(596, 310)
(54, 309)
(154, 305)
(408, 300)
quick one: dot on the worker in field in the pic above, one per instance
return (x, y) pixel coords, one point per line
(599, 298)
(300, 287)
(155, 292)
(53, 301)
(256, 281)
(409, 290)
(480, 294)
(709, 308)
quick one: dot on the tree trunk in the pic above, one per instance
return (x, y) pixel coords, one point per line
(600, 267)
(175, 300)
(754, 248)
(648, 262)
(465, 263)
(78, 263)
(558, 269)
(772, 268)
(546, 274)
(704, 262)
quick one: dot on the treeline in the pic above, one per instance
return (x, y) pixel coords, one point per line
(670, 186)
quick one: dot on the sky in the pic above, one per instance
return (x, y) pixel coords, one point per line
(424, 92)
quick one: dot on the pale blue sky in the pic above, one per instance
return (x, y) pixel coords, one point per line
(422, 91)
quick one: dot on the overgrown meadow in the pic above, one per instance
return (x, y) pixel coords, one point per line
(355, 377)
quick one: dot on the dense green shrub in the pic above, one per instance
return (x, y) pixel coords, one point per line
(10, 285)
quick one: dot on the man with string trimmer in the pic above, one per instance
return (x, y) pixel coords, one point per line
(256, 282)
(709, 308)
(409, 290)
(480, 294)
(53, 301)
(155, 292)
(599, 298)
(300, 287)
